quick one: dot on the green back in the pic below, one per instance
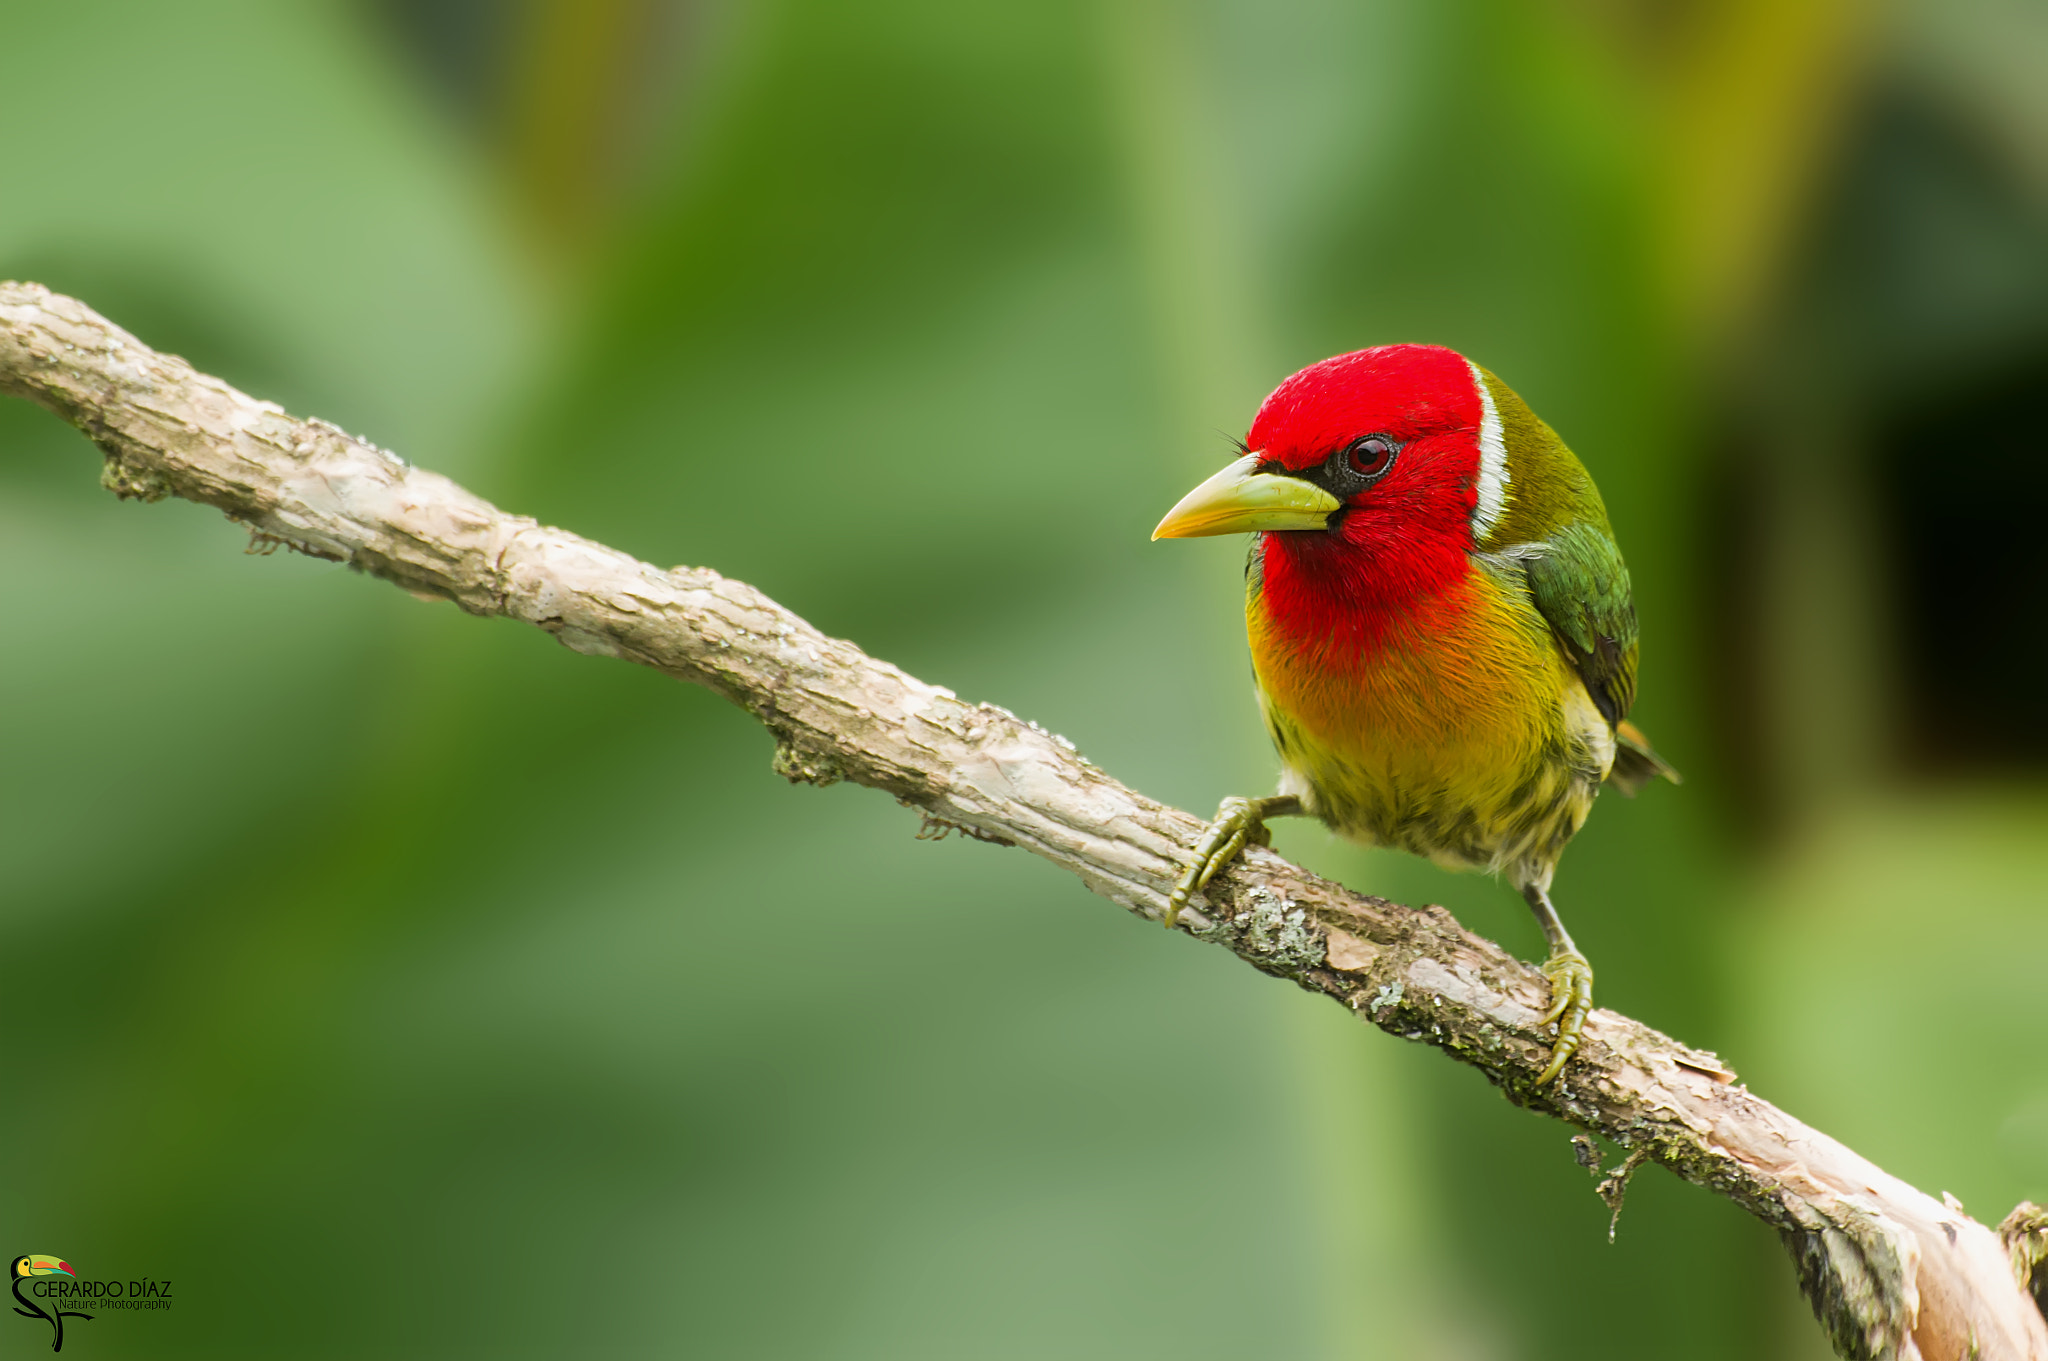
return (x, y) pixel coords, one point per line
(1554, 527)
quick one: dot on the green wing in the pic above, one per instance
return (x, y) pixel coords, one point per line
(1581, 588)
(1580, 585)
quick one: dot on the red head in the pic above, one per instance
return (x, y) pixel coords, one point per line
(1372, 475)
(1392, 432)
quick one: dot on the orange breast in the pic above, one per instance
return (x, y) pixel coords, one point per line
(1448, 717)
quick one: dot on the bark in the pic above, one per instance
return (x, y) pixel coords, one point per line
(1891, 1272)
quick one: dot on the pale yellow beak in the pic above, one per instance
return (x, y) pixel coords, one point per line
(1241, 499)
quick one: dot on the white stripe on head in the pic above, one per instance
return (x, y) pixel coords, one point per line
(1493, 462)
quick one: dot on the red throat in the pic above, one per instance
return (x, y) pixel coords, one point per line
(1345, 594)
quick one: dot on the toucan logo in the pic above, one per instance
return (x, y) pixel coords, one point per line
(28, 1267)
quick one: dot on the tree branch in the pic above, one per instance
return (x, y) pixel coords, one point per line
(1890, 1271)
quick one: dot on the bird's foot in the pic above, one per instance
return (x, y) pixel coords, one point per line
(1239, 823)
(1571, 998)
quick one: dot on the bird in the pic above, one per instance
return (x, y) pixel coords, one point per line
(1443, 635)
(32, 1264)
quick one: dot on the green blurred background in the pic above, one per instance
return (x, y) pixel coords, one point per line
(401, 985)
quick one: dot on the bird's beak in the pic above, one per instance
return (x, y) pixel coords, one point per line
(1241, 499)
(40, 1265)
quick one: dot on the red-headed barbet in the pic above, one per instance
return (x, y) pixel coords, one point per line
(1441, 629)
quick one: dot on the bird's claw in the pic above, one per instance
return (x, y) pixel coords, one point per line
(1571, 998)
(1239, 823)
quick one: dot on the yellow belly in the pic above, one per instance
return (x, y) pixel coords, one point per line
(1464, 736)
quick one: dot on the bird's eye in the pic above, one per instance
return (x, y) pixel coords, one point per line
(1371, 456)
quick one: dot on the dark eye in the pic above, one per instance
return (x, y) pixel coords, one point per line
(1371, 456)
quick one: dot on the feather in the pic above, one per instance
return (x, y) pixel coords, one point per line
(1635, 762)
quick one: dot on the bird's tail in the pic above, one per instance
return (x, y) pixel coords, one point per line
(1636, 762)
